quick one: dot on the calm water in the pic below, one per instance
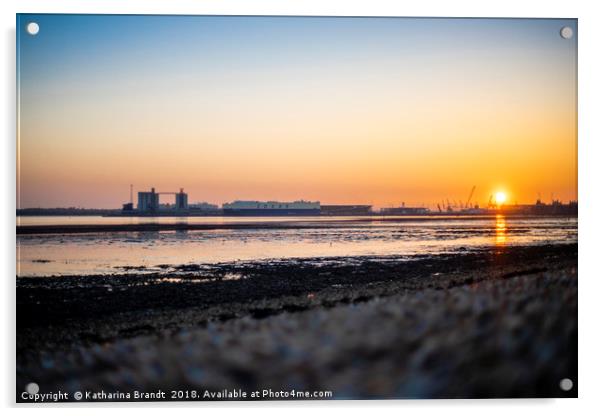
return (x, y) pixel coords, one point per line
(96, 253)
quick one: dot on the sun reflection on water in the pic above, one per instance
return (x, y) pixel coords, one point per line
(500, 230)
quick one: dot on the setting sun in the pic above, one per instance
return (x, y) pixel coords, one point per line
(500, 198)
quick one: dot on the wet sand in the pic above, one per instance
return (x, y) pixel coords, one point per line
(494, 323)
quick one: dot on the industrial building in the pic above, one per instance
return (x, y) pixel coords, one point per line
(203, 207)
(181, 200)
(148, 202)
(275, 208)
(333, 210)
(403, 210)
(128, 207)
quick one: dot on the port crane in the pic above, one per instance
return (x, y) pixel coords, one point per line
(449, 206)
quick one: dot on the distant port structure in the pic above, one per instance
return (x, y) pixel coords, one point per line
(148, 204)
(149, 201)
(267, 208)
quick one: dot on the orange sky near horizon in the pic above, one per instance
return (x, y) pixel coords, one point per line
(356, 126)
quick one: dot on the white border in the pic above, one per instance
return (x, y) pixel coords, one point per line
(590, 135)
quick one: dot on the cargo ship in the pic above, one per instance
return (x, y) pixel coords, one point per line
(271, 208)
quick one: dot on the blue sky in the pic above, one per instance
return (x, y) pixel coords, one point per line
(284, 107)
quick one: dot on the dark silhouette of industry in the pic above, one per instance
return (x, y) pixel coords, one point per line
(149, 204)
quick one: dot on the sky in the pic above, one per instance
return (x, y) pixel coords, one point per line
(378, 111)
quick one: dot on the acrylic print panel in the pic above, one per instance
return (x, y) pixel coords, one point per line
(273, 208)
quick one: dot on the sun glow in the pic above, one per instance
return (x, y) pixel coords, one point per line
(203, 110)
(500, 197)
